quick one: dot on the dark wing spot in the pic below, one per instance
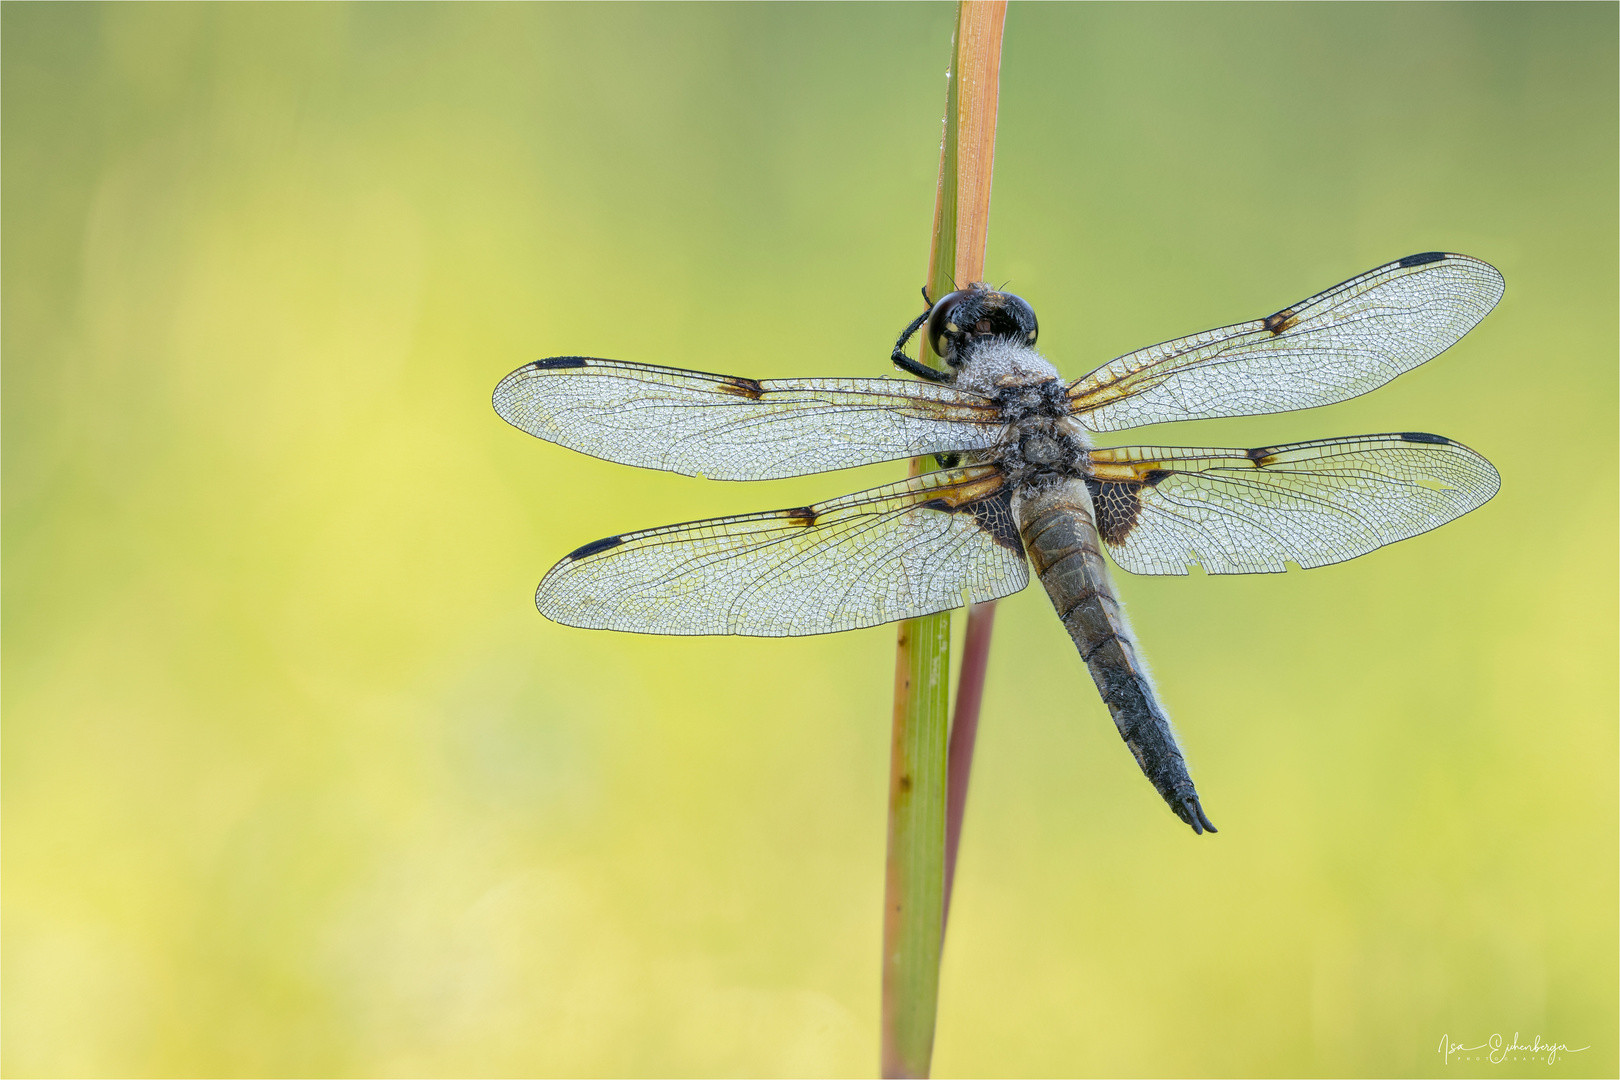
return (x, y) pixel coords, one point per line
(948, 461)
(1419, 260)
(993, 513)
(1283, 320)
(801, 515)
(1117, 506)
(1259, 456)
(743, 388)
(594, 546)
(1423, 436)
(555, 362)
(1155, 477)
(995, 516)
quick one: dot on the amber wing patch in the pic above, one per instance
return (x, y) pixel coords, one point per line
(925, 545)
(1163, 509)
(730, 428)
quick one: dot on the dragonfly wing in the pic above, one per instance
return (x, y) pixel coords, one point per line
(1161, 510)
(1339, 344)
(727, 428)
(928, 544)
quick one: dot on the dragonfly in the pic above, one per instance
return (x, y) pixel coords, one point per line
(1015, 480)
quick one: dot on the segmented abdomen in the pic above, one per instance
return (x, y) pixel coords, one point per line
(1060, 533)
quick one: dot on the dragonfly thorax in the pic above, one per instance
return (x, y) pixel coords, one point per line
(1041, 451)
(997, 365)
(1043, 442)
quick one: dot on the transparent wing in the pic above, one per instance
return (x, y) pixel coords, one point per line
(1252, 511)
(1353, 338)
(726, 428)
(913, 548)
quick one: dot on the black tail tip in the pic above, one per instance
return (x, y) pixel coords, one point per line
(1192, 812)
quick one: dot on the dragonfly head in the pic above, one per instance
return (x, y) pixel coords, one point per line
(963, 319)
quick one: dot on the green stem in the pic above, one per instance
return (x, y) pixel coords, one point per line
(914, 890)
(915, 882)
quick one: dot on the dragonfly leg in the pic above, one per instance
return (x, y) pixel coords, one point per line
(906, 363)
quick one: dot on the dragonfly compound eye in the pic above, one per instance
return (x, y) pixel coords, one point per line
(978, 313)
(1016, 310)
(943, 327)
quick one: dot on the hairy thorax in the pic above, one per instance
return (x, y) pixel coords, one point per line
(1044, 444)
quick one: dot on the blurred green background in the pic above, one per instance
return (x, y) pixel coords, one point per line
(296, 781)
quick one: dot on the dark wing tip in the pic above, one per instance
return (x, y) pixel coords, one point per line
(593, 547)
(1424, 437)
(506, 390)
(1422, 258)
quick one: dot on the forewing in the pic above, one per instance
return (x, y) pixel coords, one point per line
(727, 428)
(1341, 343)
(913, 548)
(1253, 511)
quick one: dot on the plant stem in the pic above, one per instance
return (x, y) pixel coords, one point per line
(914, 882)
(913, 900)
(964, 732)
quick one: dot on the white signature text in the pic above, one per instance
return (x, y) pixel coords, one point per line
(1496, 1049)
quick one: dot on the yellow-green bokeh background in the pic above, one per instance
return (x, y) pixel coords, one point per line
(296, 781)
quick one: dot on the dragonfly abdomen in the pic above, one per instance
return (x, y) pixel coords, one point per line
(1059, 529)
